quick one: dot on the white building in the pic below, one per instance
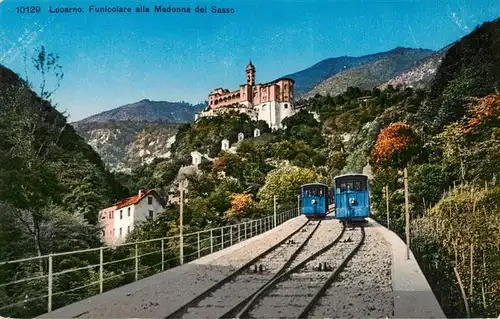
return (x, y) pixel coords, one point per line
(121, 218)
(270, 102)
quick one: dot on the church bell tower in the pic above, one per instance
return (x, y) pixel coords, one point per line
(250, 73)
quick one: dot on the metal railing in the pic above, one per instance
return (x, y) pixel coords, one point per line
(60, 276)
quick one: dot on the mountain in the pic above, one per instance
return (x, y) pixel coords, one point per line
(373, 73)
(420, 76)
(124, 145)
(309, 78)
(147, 110)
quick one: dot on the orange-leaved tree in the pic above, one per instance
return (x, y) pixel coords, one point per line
(484, 112)
(241, 206)
(395, 146)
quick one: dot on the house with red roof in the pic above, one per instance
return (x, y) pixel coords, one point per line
(120, 219)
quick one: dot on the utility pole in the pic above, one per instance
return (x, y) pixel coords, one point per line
(407, 215)
(181, 203)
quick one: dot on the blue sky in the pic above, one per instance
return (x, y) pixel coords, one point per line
(114, 59)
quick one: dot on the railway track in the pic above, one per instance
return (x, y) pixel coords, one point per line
(252, 276)
(295, 292)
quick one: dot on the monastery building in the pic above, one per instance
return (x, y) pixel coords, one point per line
(271, 102)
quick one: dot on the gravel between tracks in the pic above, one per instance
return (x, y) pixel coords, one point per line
(246, 283)
(292, 294)
(364, 287)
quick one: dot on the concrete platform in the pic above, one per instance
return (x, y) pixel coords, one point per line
(413, 297)
(159, 295)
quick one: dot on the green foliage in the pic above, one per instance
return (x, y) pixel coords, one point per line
(52, 184)
(469, 69)
(285, 184)
(464, 225)
(429, 181)
(207, 134)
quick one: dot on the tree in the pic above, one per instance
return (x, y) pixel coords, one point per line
(484, 113)
(47, 64)
(242, 205)
(454, 148)
(395, 146)
(285, 184)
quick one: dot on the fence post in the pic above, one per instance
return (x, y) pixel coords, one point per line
(298, 204)
(101, 269)
(222, 237)
(245, 230)
(162, 255)
(239, 234)
(231, 235)
(274, 210)
(136, 263)
(199, 252)
(181, 238)
(260, 222)
(387, 206)
(211, 241)
(407, 214)
(49, 303)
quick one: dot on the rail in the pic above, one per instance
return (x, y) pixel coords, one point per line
(60, 275)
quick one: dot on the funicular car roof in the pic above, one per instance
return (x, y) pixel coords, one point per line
(314, 184)
(349, 175)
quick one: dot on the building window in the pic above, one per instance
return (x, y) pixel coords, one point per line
(129, 212)
(151, 214)
(111, 215)
(120, 232)
(103, 233)
(121, 213)
(150, 198)
(286, 106)
(128, 229)
(114, 232)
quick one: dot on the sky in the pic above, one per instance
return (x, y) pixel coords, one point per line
(112, 59)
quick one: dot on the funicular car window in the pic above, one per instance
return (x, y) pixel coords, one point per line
(357, 186)
(342, 187)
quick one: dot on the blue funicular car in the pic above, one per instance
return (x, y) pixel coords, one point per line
(352, 197)
(314, 199)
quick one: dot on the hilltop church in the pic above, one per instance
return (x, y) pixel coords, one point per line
(271, 102)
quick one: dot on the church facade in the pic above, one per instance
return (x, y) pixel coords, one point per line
(270, 102)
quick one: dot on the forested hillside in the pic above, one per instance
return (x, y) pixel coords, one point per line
(51, 182)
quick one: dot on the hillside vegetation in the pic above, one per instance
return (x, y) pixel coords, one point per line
(51, 186)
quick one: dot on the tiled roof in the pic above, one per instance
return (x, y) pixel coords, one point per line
(132, 200)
